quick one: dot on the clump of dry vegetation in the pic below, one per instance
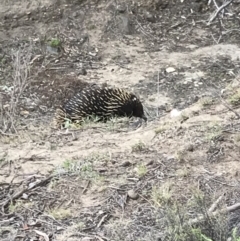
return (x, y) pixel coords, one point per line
(19, 80)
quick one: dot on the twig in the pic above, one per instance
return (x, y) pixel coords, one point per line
(214, 205)
(218, 11)
(229, 107)
(86, 187)
(212, 214)
(20, 193)
(158, 90)
(102, 220)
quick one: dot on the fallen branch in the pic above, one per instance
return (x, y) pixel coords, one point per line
(25, 190)
(213, 214)
(218, 11)
(214, 205)
(229, 107)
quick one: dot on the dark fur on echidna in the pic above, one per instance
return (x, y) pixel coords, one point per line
(104, 102)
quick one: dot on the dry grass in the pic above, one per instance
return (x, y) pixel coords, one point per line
(20, 79)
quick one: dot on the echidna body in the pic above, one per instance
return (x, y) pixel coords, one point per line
(103, 102)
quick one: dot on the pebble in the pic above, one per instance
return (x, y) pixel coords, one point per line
(24, 113)
(126, 164)
(189, 147)
(175, 113)
(170, 70)
(25, 196)
(132, 194)
(121, 8)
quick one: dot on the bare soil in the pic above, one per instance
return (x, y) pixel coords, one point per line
(164, 52)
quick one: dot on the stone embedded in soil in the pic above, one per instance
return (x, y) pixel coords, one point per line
(132, 194)
(126, 164)
(24, 113)
(149, 17)
(175, 113)
(82, 72)
(170, 70)
(121, 8)
(189, 147)
(52, 50)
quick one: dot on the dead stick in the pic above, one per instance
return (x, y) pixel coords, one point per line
(222, 211)
(230, 108)
(214, 205)
(218, 11)
(20, 193)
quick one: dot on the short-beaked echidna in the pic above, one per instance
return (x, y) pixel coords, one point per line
(104, 102)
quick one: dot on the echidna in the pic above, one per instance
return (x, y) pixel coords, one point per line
(103, 102)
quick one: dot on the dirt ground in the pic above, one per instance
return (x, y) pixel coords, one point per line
(120, 180)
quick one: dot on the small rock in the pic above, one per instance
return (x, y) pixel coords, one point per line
(52, 50)
(126, 164)
(150, 163)
(189, 147)
(25, 196)
(132, 194)
(82, 72)
(24, 113)
(170, 70)
(121, 8)
(175, 113)
(75, 14)
(149, 17)
(59, 228)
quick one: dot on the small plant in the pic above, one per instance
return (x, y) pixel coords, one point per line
(80, 226)
(14, 207)
(55, 43)
(138, 147)
(234, 235)
(162, 129)
(237, 138)
(206, 101)
(162, 195)
(60, 213)
(183, 117)
(235, 98)
(215, 130)
(141, 170)
(180, 155)
(197, 234)
(183, 172)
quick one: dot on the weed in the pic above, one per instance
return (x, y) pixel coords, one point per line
(141, 170)
(20, 80)
(206, 101)
(180, 155)
(55, 43)
(14, 207)
(235, 98)
(85, 168)
(183, 172)
(237, 138)
(234, 235)
(162, 129)
(178, 229)
(138, 147)
(215, 130)
(183, 117)
(80, 226)
(60, 213)
(162, 195)
(91, 27)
